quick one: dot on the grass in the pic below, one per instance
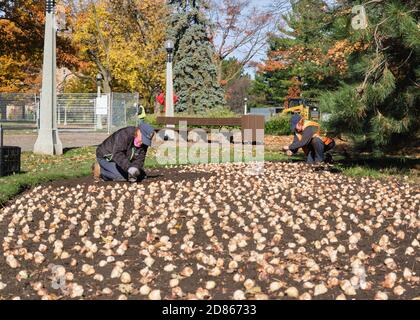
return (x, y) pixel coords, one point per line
(76, 163)
(38, 169)
(380, 167)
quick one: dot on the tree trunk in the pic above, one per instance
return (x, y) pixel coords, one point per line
(219, 63)
(107, 82)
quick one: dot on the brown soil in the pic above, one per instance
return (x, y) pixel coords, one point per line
(289, 219)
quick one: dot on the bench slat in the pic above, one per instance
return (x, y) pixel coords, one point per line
(200, 121)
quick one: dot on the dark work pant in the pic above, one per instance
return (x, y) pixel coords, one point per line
(316, 149)
(110, 171)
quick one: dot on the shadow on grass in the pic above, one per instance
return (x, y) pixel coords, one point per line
(382, 163)
(372, 166)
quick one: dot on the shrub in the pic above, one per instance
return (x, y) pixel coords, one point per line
(218, 112)
(278, 125)
(151, 119)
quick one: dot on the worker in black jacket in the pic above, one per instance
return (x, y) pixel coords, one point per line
(307, 135)
(121, 156)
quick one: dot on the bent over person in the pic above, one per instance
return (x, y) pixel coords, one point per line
(308, 137)
(121, 156)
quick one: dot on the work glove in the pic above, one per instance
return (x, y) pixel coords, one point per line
(133, 174)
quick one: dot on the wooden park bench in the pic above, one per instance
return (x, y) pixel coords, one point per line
(246, 122)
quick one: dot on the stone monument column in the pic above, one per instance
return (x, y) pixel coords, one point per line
(48, 141)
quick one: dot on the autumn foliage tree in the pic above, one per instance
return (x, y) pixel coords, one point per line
(21, 45)
(304, 46)
(123, 40)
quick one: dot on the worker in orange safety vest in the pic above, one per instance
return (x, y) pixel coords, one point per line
(307, 135)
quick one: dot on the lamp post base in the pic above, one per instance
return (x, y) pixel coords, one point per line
(48, 143)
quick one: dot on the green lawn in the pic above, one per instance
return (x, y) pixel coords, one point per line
(75, 163)
(38, 169)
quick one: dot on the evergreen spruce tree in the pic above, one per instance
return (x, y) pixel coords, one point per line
(195, 74)
(379, 108)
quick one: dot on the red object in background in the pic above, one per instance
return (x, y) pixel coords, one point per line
(161, 100)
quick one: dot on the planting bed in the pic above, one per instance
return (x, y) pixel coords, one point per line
(214, 232)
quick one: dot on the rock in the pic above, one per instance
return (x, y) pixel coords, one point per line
(145, 290)
(107, 291)
(149, 261)
(407, 274)
(238, 277)
(381, 296)
(102, 263)
(173, 283)
(275, 286)
(305, 296)
(76, 290)
(409, 251)
(116, 272)
(239, 295)
(384, 241)
(320, 289)
(22, 275)
(233, 265)
(341, 297)
(347, 287)
(169, 268)
(202, 294)
(125, 288)
(64, 255)
(399, 290)
(249, 284)
(210, 285)
(292, 268)
(390, 263)
(98, 277)
(187, 272)
(12, 262)
(39, 258)
(261, 296)
(215, 272)
(355, 238)
(292, 292)
(125, 278)
(389, 281)
(88, 269)
(155, 295)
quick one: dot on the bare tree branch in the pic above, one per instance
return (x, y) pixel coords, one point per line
(239, 30)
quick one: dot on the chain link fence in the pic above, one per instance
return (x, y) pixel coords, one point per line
(18, 107)
(75, 111)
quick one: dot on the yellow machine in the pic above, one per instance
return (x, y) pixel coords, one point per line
(304, 107)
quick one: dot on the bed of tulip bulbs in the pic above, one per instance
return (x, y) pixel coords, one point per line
(214, 232)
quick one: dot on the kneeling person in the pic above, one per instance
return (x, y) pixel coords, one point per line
(308, 137)
(121, 156)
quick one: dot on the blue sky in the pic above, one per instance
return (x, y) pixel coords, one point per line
(261, 2)
(260, 57)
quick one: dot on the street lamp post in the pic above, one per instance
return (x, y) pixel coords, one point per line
(245, 106)
(99, 79)
(169, 101)
(48, 141)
